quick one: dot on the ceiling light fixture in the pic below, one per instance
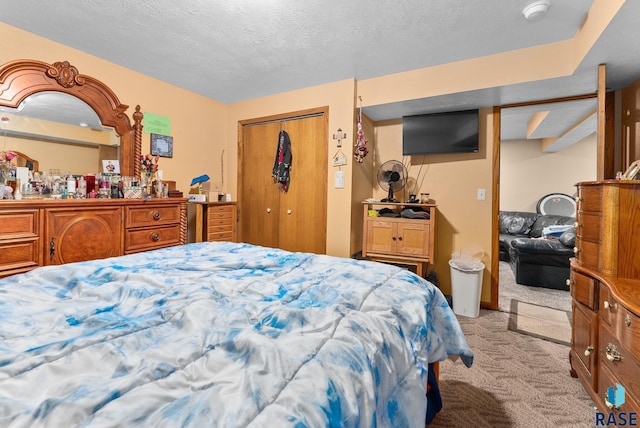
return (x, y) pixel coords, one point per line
(535, 10)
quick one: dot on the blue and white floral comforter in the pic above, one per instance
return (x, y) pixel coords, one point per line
(220, 334)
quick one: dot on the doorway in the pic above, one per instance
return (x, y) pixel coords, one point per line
(546, 160)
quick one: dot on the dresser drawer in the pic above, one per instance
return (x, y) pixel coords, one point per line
(150, 215)
(607, 306)
(606, 379)
(19, 224)
(589, 198)
(620, 362)
(19, 256)
(222, 211)
(151, 238)
(628, 331)
(583, 289)
(587, 253)
(588, 227)
(219, 222)
(220, 236)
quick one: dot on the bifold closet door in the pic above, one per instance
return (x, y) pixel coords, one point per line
(303, 217)
(260, 201)
(294, 220)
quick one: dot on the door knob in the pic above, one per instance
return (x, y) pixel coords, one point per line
(289, 212)
(268, 210)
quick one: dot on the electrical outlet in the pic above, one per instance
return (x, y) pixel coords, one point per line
(481, 194)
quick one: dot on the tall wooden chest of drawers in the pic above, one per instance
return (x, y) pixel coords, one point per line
(215, 221)
(605, 289)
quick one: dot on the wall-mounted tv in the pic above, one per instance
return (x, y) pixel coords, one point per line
(450, 132)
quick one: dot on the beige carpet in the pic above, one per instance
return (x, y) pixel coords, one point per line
(540, 312)
(541, 322)
(516, 381)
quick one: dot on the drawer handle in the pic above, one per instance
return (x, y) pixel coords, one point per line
(268, 210)
(52, 248)
(155, 237)
(156, 215)
(610, 306)
(627, 320)
(576, 250)
(588, 351)
(568, 282)
(612, 353)
(576, 224)
(289, 211)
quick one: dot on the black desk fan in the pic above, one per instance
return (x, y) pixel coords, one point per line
(392, 177)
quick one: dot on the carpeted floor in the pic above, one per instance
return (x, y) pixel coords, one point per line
(510, 290)
(516, 381)
(536, 311)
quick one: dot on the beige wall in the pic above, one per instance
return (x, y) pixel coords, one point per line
(198, 124)
(527, 174)
(339, 96)
(452, 180)
(205, 131)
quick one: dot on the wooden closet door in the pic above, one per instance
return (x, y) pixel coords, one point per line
(259, 198)
(294, 220)
(303, 207)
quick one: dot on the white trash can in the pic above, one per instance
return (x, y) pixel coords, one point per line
(466, 288)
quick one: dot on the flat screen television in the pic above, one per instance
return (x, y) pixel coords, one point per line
(449, 132)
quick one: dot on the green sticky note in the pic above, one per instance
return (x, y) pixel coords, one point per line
(156, 124)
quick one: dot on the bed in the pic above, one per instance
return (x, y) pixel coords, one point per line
(221, 334)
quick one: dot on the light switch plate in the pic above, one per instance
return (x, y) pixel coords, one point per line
(338, 181)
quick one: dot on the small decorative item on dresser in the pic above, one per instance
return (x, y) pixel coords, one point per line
(633, 172)
(149, 165)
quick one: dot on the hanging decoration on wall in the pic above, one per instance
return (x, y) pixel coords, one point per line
(282, 164)
(361, 140)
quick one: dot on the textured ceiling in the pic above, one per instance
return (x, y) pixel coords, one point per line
(242, 49)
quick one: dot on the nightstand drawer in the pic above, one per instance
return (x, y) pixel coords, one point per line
(223, 211)
(221, 236)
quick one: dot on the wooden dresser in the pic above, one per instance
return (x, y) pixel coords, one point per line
(399, 239)
(49, 232)
(605, 287)
(215, 221)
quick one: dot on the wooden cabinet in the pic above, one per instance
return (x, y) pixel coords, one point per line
(73, 235)
(399, 239)
(214, 221)
(47, 232)
(605, 289)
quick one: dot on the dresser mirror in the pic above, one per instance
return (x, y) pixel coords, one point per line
(57, 99)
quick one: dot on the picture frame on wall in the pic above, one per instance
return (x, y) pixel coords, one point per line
(162, 145)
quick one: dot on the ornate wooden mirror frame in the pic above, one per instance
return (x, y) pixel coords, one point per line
(21, 78)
